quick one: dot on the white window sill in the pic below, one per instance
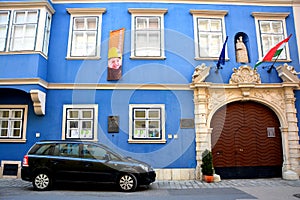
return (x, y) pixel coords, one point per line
(12, 140)
(23, 52)
(148, 141)
(84, 58)
(147, 57)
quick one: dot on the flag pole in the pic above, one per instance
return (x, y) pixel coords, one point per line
(272, 66)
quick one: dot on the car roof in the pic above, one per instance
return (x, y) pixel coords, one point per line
(68, 141)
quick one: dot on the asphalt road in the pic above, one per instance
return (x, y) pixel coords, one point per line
(276, 189)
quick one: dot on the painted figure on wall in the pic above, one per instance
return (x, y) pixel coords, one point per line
(115, 51)
(114, 64)
(241, 51)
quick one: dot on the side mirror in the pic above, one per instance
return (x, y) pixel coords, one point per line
(107, 157)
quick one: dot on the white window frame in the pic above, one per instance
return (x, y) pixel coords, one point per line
(132, 118)
(85, 13)
(46, 40)
(24, 25)
(5, 25)
(43, 9)
(23, 119)
(147, 14)
(268, 17)
(209, 15)
(80, 107)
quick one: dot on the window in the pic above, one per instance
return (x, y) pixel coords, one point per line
(4, 19)
(46, 34)
(147, 123)
(209, 33)
(85, 33)
(23, 26)
(147, 37)
(13, 123)
(80, 122)
(270, 30)
(67, 150)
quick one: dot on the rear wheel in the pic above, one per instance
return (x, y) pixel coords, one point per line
(127, 182)
(42, 181)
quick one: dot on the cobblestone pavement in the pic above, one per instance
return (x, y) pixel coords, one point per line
(189, 184)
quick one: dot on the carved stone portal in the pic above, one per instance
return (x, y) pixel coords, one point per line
(245, 85)
(244, 74)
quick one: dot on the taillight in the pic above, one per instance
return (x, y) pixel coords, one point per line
(25, 161)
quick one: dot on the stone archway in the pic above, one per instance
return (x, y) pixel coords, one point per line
(245, 85)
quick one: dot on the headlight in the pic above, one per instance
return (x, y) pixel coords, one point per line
(145, 167)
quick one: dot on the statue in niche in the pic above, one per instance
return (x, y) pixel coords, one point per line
(241, 51)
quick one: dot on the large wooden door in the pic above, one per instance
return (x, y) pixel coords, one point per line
(246, 141)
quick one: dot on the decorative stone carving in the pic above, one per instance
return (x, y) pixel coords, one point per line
(288, 73)
(200, 73)
(39, 101)
(245, 74)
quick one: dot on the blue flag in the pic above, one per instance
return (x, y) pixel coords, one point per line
(221, 60)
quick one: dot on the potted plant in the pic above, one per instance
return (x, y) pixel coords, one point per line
(207, 166)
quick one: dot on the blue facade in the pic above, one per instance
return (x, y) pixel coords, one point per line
(169, 78)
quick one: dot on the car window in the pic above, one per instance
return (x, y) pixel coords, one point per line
(94, 152)
(44, 150)
(68, 150)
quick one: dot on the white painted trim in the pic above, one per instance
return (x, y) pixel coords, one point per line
(3, 162)
(24, 128)
(163, 121)
(160, 12)
(209, 14)
(79, 106)
(39, 101)
(267, 17)
(225, 2)
(296, 12)
(85, 12)
(90, 86)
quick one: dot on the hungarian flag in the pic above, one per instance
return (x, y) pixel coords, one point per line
(274, 52)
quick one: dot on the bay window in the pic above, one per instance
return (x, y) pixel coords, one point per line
(25, 27)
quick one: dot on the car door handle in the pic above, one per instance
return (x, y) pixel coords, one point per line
(87, 164)
(54, 162)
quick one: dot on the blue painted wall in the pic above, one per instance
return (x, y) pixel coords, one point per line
(177, 68)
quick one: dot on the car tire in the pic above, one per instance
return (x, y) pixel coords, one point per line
(127, 182)
(42, 181)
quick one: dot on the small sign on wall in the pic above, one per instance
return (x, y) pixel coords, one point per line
(187, 123)
(271, 132)
(113, 124)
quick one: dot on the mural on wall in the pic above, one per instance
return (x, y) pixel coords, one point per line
(115, 51)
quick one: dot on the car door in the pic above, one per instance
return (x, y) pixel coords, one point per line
(97, 166)
(66, 162)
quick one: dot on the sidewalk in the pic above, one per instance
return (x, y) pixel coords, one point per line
(189, 184)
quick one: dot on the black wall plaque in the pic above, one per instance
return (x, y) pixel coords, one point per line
(187, 123)
(113, 124)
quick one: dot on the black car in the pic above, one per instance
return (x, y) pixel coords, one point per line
(48, 162)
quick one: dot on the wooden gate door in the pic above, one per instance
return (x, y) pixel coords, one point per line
(246, 141)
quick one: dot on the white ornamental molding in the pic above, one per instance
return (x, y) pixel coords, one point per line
(288, 73)
(245, 74)
(39, 101)
(200, 73)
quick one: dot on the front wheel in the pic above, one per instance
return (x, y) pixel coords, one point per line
(42, 181)
(127, 182)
